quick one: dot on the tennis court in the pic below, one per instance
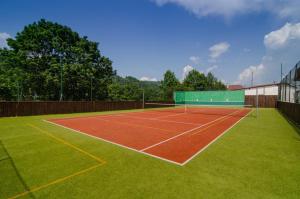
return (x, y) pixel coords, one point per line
(172, 133)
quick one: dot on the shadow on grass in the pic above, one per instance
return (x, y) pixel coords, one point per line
(12, 165)
(295, 126)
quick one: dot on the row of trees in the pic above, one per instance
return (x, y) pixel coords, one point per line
(194, 80)
(42, 55)
(130, 88)
(49, 61)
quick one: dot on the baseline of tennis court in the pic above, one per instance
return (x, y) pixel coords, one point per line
(176, 137)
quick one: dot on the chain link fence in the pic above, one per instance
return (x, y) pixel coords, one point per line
(289, 87)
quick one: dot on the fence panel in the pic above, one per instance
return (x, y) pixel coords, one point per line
(291, 110)
(11, 109)
(264, 101)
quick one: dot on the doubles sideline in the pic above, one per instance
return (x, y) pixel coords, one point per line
(37, 188)
(188, 131)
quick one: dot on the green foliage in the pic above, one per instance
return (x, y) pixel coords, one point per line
(169, 84)
(45, 50)
(198, 81)
(130, 88)
(152, 90)
(195, 80)
(125, 89)
(213, 83)
(10, 75)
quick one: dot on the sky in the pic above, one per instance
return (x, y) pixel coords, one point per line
(144, 38)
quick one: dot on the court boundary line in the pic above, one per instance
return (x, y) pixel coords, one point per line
(35, 188)
(172, 115)
(14, 167)
(114, 143)
(185, 132)
(214, 140)
(124, 114)
(134, 125)
(62, 179)
(153, 119)
(68, 144)
(151, 155)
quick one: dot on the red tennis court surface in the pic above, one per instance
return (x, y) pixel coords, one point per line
(172, 136)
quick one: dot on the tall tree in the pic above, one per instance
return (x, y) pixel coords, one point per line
(127, 88)
(195, 80)
(169, 85)
(48, 51)
(10, 76)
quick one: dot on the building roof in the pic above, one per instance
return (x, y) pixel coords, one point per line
(234, 87)
(261, 85)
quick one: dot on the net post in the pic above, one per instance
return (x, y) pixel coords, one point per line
(143, 100)
(256, 103)
(174, 96)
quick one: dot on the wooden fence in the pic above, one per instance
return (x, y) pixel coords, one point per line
(11, 109)
(291, 110)
(264, 101)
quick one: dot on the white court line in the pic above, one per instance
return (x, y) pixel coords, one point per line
(145, 153)
(133, 125)
(185, 132)
(120, 145)
(172, 115)
(219, 136)
(145, 118)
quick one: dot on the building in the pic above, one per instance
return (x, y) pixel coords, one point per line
(265, 95)
(234, 87)
(264, 89)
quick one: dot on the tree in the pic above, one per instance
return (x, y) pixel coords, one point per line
(152, 90)
(45, 50)
(127, 88)
(10, 76)
(169, 85)
(195, 80)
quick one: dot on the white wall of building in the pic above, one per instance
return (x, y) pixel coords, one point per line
(264, 90)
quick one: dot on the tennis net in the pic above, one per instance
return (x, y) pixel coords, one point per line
(235, 110)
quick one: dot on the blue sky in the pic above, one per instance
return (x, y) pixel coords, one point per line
(144, 38)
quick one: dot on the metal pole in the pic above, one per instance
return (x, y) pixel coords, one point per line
(256, 102)
(281, 72)
(61, 79)
(252, 78)
(91, 88)
(18, 91)
(290, 74)
(143, 99)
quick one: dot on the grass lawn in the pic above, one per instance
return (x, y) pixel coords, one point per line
(258, 158)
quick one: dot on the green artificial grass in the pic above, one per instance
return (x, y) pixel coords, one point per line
(257, 158)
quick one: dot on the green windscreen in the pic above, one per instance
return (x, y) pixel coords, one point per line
(210, 97)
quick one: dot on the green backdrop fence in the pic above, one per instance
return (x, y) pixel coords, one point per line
(210, 97)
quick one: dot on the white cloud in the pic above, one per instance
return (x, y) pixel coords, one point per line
(209, 69)
(195, 59)
(3, 37)
(186, 70)
(246, 75)
(282, 37)
(230, 8)
(282, 47)
(144, 78)
(218, 49)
